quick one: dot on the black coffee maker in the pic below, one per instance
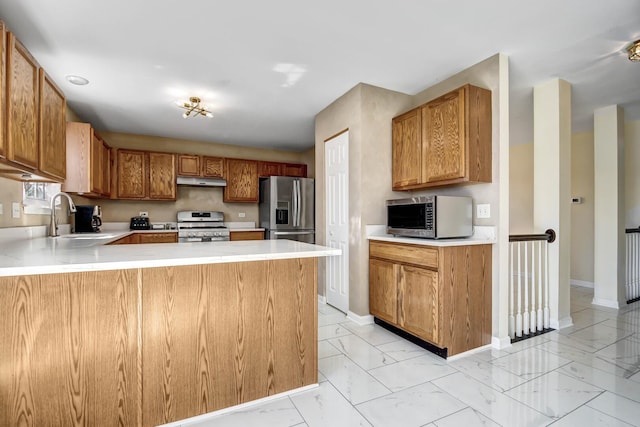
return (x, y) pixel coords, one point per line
(88, 219)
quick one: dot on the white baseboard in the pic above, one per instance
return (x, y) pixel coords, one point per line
(322, 299)
(500, 343)
(565, 322)
(360, 320)
(582, 283)
(609, 303)
(468, 352)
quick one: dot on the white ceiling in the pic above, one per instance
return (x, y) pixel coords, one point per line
(267, 68)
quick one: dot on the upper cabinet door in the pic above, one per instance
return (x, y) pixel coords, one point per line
(212, 167)
(444, 148)
(3, 88)
(52, 140)
(162, 176)
(132, 174)
(406, 149)
(295, 170)
(242, 181)
(22, 105)
(188, 165)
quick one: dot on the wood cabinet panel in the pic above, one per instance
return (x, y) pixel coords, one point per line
(443, 142)
(295, 170)
(162, 176)
(407, 149)
(418, 302)
(242, 181)
(74, 359)
(246, 235)
(448, 306)
(133, 176)
(52, 132)
(89, 162)
(408, 254)
(188, 165)
(198, 358)
(157, 237)
(267, 169)
(383, 290)
(444, 154)
(3, 89)
(212, 167)
(22, 104)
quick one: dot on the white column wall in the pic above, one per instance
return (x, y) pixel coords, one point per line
(552, 188)
(609, 209)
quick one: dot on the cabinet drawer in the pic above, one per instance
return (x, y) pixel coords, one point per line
(407, 254)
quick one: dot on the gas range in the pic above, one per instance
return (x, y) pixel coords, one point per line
(202, 226)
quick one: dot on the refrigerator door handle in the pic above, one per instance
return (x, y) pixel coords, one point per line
(291, 233)
(299, 199)
(294, 204)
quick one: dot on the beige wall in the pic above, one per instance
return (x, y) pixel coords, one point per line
(582, 185)
(367, 112)
(521, 189)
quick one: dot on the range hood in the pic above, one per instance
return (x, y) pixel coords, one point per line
(201, 182)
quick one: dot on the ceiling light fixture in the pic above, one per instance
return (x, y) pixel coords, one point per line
(77, 80)
(194, 107)
(634, 51)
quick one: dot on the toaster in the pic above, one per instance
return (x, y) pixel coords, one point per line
(140, 223)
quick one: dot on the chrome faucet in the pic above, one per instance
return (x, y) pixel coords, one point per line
(53, 229)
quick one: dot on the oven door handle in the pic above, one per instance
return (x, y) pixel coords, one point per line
(290, 233)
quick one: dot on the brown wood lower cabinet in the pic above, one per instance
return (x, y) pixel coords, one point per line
(246, 235)
(441, 295)
(69, 349)
(143, 347)
(138, 238)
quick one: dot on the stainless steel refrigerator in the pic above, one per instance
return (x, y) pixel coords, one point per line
(287, 208)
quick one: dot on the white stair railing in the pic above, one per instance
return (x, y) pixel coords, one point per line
(529, 284)
(632, 282)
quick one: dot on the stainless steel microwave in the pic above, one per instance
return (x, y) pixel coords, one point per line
(430, 217)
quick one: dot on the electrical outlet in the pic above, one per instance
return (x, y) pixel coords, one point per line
(241, 215)
(144, 213)
(483, 211)
(1, 209)
(15, 210)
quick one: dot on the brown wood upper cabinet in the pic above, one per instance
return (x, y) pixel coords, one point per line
(89, 160)
(242, 181)
(143, 175)
(439, 294)
(32, 117)
(52, 133)
(445, 141)
(266, 169)
(200, 166)
(22, 106)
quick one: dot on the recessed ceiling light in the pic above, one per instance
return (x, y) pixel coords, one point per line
(77, 80)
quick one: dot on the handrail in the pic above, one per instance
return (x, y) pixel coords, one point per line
(632, 230)
(549, 236)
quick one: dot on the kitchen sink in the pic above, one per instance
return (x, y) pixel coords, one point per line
(88, 236)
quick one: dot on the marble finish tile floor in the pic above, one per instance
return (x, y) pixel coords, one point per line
(585, 375)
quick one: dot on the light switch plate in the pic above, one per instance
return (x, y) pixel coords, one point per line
(483, 211)
(15, 210)
(1, 209)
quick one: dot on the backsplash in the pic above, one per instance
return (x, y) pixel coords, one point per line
(189, 198)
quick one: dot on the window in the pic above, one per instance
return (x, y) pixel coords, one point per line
(36, 197)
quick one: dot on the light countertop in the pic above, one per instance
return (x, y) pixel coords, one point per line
(481, 236)
(89, 252)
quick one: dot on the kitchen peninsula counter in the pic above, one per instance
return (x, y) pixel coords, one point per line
(64, 254)
(149, 334)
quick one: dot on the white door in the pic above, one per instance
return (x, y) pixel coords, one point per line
(336, 155)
